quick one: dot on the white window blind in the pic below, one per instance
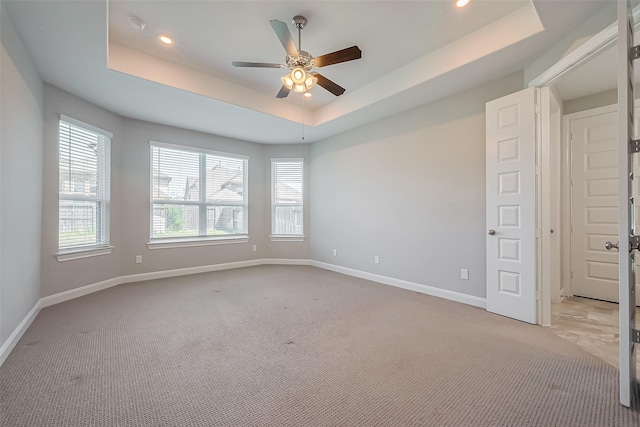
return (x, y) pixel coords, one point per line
(84, 176)
(197, 193)
(286, 197)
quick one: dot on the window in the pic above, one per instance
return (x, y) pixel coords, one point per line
(84, 159)
(286, 198)
(197, 194)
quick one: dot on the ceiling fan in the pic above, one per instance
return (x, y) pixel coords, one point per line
(301, 63)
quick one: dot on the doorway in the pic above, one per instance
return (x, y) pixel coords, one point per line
(595, 219)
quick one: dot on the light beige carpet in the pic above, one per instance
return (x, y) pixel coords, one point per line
(295, 346)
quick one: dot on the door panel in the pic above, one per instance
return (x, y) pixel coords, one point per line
(628, 381)
(594, 176)
(511, 209)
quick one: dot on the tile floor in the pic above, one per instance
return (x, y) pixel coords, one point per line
(591, 325)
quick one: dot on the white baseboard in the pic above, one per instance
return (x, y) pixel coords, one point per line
(79, 292)
(425, 289)
(17, 333)
(189, 270)
(47, 301)
(274, 261)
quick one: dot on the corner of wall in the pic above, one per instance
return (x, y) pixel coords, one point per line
(21, 159)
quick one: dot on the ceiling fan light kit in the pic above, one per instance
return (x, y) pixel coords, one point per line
(301, 78)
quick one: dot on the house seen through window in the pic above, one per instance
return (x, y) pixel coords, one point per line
(286, 197)
(84, 163)
(197, 193)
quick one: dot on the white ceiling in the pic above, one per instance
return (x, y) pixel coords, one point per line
(209, 35)
(413, 52)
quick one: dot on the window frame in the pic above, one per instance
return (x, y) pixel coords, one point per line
(200, 239)
(286, 237)
(103, 247)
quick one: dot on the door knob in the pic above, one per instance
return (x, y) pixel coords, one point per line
(608, 245)
(491, 231)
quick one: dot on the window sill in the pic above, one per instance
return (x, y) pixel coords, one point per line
(83, 253)
(286, 238)
(185, 243)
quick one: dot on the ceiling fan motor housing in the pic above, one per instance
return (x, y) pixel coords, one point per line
(304, 60)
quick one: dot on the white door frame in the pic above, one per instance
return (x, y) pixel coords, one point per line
(603, 40)
(627, 21)
(548, 197)
(592, 47)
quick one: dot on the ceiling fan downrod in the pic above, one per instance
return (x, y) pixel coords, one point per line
(299, 22)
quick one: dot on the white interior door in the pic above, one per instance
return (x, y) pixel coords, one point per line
(628, 381)
(511, 205)
(594, 193)
(594, 202)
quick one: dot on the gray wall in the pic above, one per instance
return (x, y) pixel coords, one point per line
(62, 276)
(601, 99)
(130, 205)
(135, 215)
(20, 179)
(136, 204)
(410, 189)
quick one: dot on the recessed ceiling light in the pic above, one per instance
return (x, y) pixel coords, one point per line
(166, 39)
(137, 23)
(308, 94)
(462, 3)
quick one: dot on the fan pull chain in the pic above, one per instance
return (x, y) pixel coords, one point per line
(303, 109)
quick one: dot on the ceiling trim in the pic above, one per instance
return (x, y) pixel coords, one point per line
(147, 67)
(487, 40)
(595, 45)
(497, 35)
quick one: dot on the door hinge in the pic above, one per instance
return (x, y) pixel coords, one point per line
(572, 274)
(635, 52)
(634, 146)
(537, 108)
(635, 336)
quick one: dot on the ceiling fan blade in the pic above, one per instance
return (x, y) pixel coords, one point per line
(256, 64)
(344, 55)
(284, 92)
(283, 33)
(332, 87)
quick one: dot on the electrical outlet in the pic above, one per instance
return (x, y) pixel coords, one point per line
(376, 259)
(138, 259)
(335, 252)
(255, 248)
(464, 274)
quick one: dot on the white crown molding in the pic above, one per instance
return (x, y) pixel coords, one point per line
(596, 44)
